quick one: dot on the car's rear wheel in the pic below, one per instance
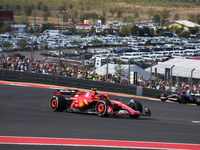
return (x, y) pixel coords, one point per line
(198, 101)
(101, 108)
(58, 103)
(181, 99)
(135, 105)
(162, 96)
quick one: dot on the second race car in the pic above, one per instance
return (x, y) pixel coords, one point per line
(181, 97)
(68, 91)
(100, 104)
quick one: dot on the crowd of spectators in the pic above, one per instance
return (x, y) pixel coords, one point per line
(24, 65)
(17, 64)
(165, 85)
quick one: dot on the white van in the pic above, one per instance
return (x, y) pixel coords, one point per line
(178, 52)
(143, 53)
(161, 57)
(124, 59)
(130, 55)
(169, 54)
(134, 58)
(181, 56)
(150, 58)
(6, 36)
(191, 52)
(161, 53)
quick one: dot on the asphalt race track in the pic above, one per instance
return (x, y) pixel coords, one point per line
(26, 112)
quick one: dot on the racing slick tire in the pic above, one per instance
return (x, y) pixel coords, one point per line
(181, 99)
(101, 108)
(135, 105)
(198, 101)
(58, 103)
(163, 95)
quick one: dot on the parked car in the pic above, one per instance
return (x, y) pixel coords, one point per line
(191, 52)
(19, 55)
(150, 58)
(180, 56)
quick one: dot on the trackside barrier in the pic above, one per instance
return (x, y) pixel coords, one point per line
(153, 92)
(10, 75)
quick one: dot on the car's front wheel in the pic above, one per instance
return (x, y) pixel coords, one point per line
(135, 105)
(181, 99)
(162, 96)
(198, 101)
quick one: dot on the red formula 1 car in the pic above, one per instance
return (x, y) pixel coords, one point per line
(100, 104)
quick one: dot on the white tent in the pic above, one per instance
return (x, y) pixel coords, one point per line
(182, 67)
(133, 68)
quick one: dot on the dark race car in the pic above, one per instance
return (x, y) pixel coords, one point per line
(181, 97)
(68, 91)
(100, 104)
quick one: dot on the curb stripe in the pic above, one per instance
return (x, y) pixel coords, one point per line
(94, 143)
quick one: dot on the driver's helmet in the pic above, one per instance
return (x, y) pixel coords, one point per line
(95, 91)
(183, 92)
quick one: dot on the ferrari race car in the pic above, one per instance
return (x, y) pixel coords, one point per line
(181, 97)
(100, 104)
